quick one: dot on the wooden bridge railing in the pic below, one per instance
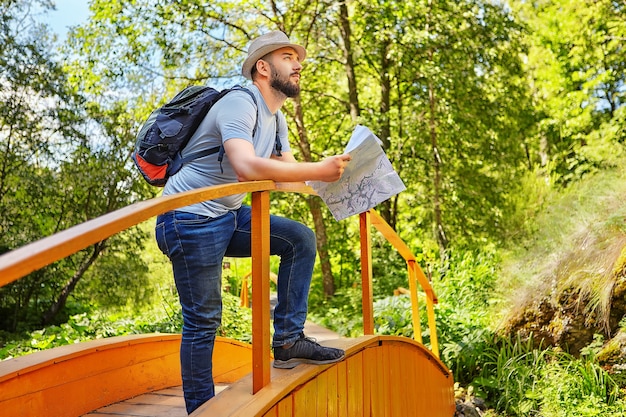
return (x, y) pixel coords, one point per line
(20, 262)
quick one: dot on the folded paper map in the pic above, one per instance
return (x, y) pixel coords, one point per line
(368, 180)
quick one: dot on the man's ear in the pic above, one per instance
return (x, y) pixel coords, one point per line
(263, 67)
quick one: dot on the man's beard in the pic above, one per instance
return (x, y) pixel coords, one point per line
(285, 86)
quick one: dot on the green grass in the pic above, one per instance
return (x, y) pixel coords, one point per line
(571, 244)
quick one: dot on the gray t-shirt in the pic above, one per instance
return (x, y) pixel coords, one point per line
(233, 116)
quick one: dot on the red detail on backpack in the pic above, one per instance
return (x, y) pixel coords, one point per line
(154, 172)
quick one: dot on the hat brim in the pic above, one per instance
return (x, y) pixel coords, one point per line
(246, 68)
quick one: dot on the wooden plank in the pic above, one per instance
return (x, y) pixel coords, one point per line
(332, 409)
(305, 401)
(355, 385)
(366, 273)
(102, 372)
(432, 326)
(285, 407)
(342, 389)
(141, 410)
(232, 360)
(155, 398)
(163, 403)
(391, 236)
(415, 318)
(29, 258)
(396, 375)
(273, 412)
(11, 368)
(389, 379)
(260, 290)
(410, 378)
(321, 394)
(371, 399)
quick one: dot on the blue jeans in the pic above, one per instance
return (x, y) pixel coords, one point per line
(196, 246)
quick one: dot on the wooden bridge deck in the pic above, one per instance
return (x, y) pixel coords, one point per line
(381, 376)
(169, 402)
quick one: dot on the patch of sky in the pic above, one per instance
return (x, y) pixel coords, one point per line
(66, 14)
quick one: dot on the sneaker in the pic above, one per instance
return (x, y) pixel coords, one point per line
(306, 350)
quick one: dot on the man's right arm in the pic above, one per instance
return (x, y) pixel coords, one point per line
(250, 167)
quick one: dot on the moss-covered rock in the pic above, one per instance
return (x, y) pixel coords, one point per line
(570, 316)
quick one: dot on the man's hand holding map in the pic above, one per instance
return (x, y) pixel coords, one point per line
(368, 180)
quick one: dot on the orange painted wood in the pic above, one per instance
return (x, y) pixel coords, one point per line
(261, 355)
(273, 412)
(305, 399)
(388, 377)
(285, 407)
(414, 271)
(332, 409)
(396, 378)
(232, 360)
(95, 374)
(243, 294)
(417, 326)
(371, 398)
(357, 380)
(354, 369)
(29, 258)
(426, 389)
(432, 325)
(91, 377)
(366, 273)
(342, 389)
(392, 237)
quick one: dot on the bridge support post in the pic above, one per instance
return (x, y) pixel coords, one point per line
(366, 273)
(260, 290)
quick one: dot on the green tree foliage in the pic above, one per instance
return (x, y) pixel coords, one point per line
(482, 106)
(62, 164)
(576, 63)
(439, 82)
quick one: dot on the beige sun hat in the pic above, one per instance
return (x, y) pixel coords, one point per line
(265, 44)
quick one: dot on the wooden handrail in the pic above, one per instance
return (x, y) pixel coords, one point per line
(414, 271)
(36, 255)
(22, 261)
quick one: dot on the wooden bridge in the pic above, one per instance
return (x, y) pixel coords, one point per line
(140, 375)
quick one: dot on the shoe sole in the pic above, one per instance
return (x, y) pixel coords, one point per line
(293, 362)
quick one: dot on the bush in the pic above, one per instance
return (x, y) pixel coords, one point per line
(521, 380)
(236, 324)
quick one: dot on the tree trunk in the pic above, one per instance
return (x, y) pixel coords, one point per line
(385, 128)
(346, 35)
(328, 280)
(440, 234)
(54, 309)
(314, 206)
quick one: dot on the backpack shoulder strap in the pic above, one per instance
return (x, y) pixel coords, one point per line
(279, 146)
(221, 149)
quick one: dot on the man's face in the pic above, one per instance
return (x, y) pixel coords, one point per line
(285, 66)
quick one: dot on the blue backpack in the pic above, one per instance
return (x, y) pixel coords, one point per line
(167, 130)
